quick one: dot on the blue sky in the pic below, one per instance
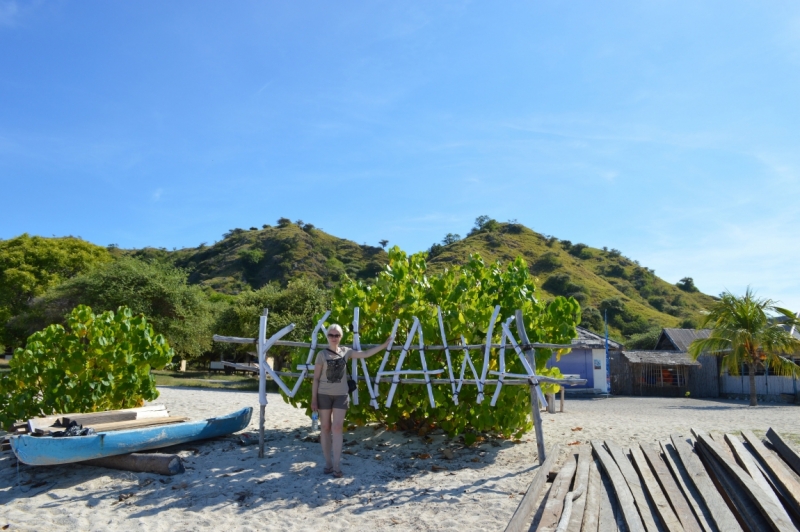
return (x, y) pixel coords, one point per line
(668, 130)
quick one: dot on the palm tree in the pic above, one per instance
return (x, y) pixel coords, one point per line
(742, 332)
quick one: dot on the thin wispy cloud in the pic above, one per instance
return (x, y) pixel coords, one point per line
(9, 13)
(156, 196)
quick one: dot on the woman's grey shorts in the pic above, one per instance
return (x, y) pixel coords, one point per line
(329, 402)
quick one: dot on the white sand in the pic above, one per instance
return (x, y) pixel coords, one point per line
(228, 488)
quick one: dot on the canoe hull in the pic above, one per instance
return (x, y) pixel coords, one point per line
(46, 450)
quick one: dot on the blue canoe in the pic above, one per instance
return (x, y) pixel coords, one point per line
(46, 450)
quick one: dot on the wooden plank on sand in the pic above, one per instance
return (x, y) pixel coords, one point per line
(591, 512)
(621, 489)
(521, 520)
(671, 489)
(757, 508)
(136, 423)
(660, 501)
(45, 422)
(789, 486)
(689, 490)
(98, 417)
(555, 499)
(789, 455)
(635, 484)
(720, 513)
(746, 460)
(581, 479)
(608, 518)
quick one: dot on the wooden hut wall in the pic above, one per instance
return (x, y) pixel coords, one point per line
(621, 374)
(649, 380)
(704, 380)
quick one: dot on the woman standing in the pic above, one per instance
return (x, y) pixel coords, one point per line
(329, 395)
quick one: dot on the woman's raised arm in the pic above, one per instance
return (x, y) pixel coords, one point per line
(369, 352)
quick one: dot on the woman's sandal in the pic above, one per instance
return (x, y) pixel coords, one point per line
(338, 474)
(328, 470)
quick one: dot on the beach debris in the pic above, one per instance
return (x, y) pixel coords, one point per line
(248, 438)
(449, 454)
(575, 429)
(124, 496)
(424, 456)
(184, 485)
(435, 468)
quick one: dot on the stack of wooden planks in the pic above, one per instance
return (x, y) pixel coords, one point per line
(691, 483)
(130, 418)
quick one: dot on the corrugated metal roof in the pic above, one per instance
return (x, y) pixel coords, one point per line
(587, 338)
(664, 358)
(682, 338)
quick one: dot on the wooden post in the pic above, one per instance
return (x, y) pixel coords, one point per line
(551, 403)
(562, 399)
(535, 413)
(262, 380)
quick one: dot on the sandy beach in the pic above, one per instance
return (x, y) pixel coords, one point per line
(389, 483)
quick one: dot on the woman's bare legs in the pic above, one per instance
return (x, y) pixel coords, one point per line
(338, 421)
(325, 436)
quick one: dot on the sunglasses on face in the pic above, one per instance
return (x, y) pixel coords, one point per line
(334, 335)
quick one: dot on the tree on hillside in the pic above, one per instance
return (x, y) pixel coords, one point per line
(181, 312)
(450, 238)
(298, 303)
(742, 332)
(687, 285)
(383, 243)
(30, 265)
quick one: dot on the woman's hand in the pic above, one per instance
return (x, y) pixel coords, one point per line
(314, 405)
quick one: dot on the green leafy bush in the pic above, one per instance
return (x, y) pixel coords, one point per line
(467, 297)
(99, 363)
(548, 262)
(160, 291)
(29, 266)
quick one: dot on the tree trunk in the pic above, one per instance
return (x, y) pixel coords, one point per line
(752, 372)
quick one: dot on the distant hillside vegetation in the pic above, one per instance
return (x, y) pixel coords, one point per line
(637, 301)
(256, 257)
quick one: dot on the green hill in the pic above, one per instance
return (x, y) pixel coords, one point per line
(636, 299)
(637, 302)
(280, 253)
(602, 280)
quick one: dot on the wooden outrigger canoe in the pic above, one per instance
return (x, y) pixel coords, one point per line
(46, 450)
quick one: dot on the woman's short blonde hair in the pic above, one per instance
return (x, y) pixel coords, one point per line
(336, 327)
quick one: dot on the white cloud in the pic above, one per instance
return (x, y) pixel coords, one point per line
(157, 194)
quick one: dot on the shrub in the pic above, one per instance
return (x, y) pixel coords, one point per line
(467, 297)
(591, 319)
(251, 256)
(687, 285)
(284, 222)
(98, 363)
(657, 302)
(548, 262)
(581, 251)
(181, 312)
(645, 340)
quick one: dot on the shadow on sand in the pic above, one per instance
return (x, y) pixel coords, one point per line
(381, 469)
